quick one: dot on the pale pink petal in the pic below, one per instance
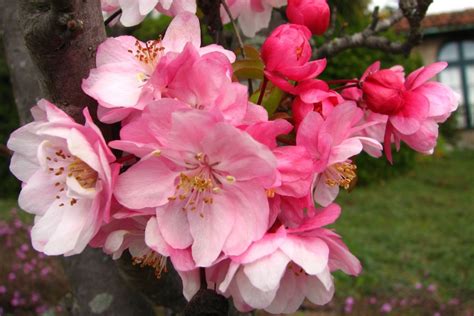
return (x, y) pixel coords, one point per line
(323, 193)
(251, 295)
(316, 292)
(443, 100)
(38, 193)
(339, 255)
(327, 216)
(288, 291)
(423, 74)
(115, 50)
(115, 85)
(183, 28)
(249, 204)
(154, 239)
(149, 183)
(265, 274)
(58, 230)
(191, 283)
(169, 217)
(424, 140)
(210, 228)
(309, 253)
(244, 158)
(217, 48)
(130, 12)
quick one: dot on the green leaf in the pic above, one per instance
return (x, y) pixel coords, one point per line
(271, 99)
(248, 69)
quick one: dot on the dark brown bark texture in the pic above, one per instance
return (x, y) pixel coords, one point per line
(62, 37)
(26, 88)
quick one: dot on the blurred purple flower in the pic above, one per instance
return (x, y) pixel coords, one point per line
(431, 288)
(418, 286)
(437, 314)
(20, 254)
(35, 297)
(11, 276)
(45, 271)
(18, 223)
(372, 300)
(386, 308)
(25, 247)
(41, 309)
(3, 289)
(348, 309)
(349, 300)
(454, 301)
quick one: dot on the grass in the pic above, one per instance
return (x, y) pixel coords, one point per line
(415, 228)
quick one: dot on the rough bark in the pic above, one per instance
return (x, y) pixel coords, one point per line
(26, 88)
(62, 37)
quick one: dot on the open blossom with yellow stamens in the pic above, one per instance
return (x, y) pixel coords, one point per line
(209, 181)
(121, 84)
(331, 142)
(67, 179)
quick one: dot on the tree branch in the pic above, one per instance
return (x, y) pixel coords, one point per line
(413, 10)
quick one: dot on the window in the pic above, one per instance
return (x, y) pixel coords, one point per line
(460, 77)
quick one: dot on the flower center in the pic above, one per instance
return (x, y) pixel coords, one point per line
(60, 165)
(296, 269)
(149, 53)
(153, 260)
(84, 174)
(198, 185)
(342, 174)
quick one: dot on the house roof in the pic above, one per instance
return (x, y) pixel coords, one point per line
(444, 22)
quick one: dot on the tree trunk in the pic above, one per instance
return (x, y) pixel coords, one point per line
(25, 84)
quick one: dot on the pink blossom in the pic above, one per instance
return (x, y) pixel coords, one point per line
(3, 289)
(252, 15)
(205, 176)
(386, 308)
(314, 95)
(122, 234)
(134, 11)
(121, 84)
(11, 276)
(331, 144)
(414, 106)
(68, 178)
(286, 54)
(181, 78)
(279, 271)
(314, 14)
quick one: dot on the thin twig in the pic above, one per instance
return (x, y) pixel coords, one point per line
(239, 37)
(235, 27)
(112, 17)
(375, 18)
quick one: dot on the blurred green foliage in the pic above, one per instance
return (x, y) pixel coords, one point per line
(9, 121)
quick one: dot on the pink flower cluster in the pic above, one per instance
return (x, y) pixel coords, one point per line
(204, 178)
(252, 15)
